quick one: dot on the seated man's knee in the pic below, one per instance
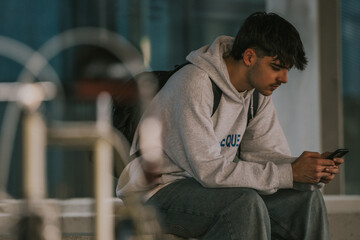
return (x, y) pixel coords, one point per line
(249, 208)
(311, 201)
(313, 196)
(251, 200)
(316, 198)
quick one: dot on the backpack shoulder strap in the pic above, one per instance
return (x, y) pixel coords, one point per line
(256, 102)
(216, 90)
(254, 105)
(251, 115)
(217, 96)
(163, 76)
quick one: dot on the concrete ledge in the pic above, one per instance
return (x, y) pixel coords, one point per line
(77, 217)
(342, 203)
(344, 216)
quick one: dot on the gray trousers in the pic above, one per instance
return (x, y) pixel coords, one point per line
(189, 210)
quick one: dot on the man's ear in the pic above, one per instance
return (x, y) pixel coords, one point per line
(249, 56)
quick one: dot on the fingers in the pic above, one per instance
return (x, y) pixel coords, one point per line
(319, 159)
(329, 169)
(319, 177)
(332, 170)
(325, 162)
(338, 161)
(316, 177)
(312, 167)
(327, 179)
(324, 173)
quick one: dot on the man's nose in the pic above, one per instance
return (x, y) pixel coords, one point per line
(283, 76)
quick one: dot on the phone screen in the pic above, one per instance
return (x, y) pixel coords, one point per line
(338, 153)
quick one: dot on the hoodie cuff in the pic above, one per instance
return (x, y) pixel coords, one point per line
(285, 175)
(308, 186)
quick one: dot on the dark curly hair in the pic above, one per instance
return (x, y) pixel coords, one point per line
(270, 35)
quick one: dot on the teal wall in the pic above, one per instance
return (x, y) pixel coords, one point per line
(174, 28)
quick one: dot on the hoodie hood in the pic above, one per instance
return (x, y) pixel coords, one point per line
(210, 59)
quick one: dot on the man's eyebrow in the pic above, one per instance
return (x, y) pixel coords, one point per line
(279, 65)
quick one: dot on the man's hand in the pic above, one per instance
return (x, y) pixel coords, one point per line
(311, 167)
(334, 170)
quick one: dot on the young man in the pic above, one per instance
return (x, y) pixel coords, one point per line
(201, 186)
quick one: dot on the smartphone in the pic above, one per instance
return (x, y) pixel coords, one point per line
(338, 153)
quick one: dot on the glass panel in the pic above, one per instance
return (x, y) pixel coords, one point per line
(176, 27)
(172, 27)
(350, 16)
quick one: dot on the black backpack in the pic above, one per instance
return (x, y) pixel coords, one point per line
(126, 115)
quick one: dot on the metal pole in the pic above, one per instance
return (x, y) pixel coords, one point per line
(104, 229)
(34, 156)
(39, 220)
(103, 194)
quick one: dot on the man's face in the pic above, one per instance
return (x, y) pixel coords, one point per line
(266, 75)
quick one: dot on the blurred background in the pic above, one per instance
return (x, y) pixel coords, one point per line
(319, 108)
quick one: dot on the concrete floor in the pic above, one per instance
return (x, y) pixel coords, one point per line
(77, 217)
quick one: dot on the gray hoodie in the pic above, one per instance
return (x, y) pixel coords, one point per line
(196, 144)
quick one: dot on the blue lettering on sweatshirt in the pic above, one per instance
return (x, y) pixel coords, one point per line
(231, 140)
